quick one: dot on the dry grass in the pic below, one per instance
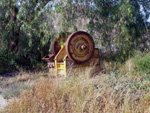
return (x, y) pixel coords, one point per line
(13, 85)
(106, 93)
(128, 68)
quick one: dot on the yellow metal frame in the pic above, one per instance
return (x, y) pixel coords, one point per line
(62, 63)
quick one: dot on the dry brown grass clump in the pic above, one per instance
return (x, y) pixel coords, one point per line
(128, 68)
(108, 94)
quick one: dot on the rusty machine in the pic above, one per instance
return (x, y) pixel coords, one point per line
(74, 52)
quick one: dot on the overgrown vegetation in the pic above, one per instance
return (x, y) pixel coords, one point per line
(24, 36)
(13, 85)
(136, 66)
(119, 88)
(14, 90)
(28, 27)
(121, 32)
(106, 93)
(142, 63)
(115, 25)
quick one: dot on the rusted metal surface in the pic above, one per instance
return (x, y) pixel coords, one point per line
(93, 61)
(55, 47)
(79, 47)
(77, 53)
(57, 43)
(49, 58)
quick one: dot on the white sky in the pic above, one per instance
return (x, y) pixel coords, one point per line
(52, 4)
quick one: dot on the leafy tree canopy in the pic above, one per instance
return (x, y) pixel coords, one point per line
(27, 26)
(25, 35)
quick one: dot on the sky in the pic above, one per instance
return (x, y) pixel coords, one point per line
(56, 1)
(141, 8)
(148, 19)
(52, 4)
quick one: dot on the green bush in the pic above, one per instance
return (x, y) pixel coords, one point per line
(142, 63)
(6, 63)
(24, 37)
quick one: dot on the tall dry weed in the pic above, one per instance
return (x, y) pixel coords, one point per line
(106, 93)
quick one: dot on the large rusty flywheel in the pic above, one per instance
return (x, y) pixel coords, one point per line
(80, 47)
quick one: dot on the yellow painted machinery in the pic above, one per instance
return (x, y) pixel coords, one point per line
(77, 53)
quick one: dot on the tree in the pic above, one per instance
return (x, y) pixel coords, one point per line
(118, 23)
(26, 32)
(24, 36)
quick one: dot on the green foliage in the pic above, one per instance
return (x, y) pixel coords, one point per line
(122, 24)
(111, 22)
(137, 66)
(27, 29)
(142, 63)
(67, 14)
(25, 36)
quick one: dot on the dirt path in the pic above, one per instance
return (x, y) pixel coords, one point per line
(3, 102)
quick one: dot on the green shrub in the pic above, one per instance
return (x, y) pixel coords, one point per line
(6, 63)
(142, 63)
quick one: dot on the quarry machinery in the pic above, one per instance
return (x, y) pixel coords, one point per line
(73, 53)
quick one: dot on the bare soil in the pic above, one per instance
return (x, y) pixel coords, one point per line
(3, 102)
